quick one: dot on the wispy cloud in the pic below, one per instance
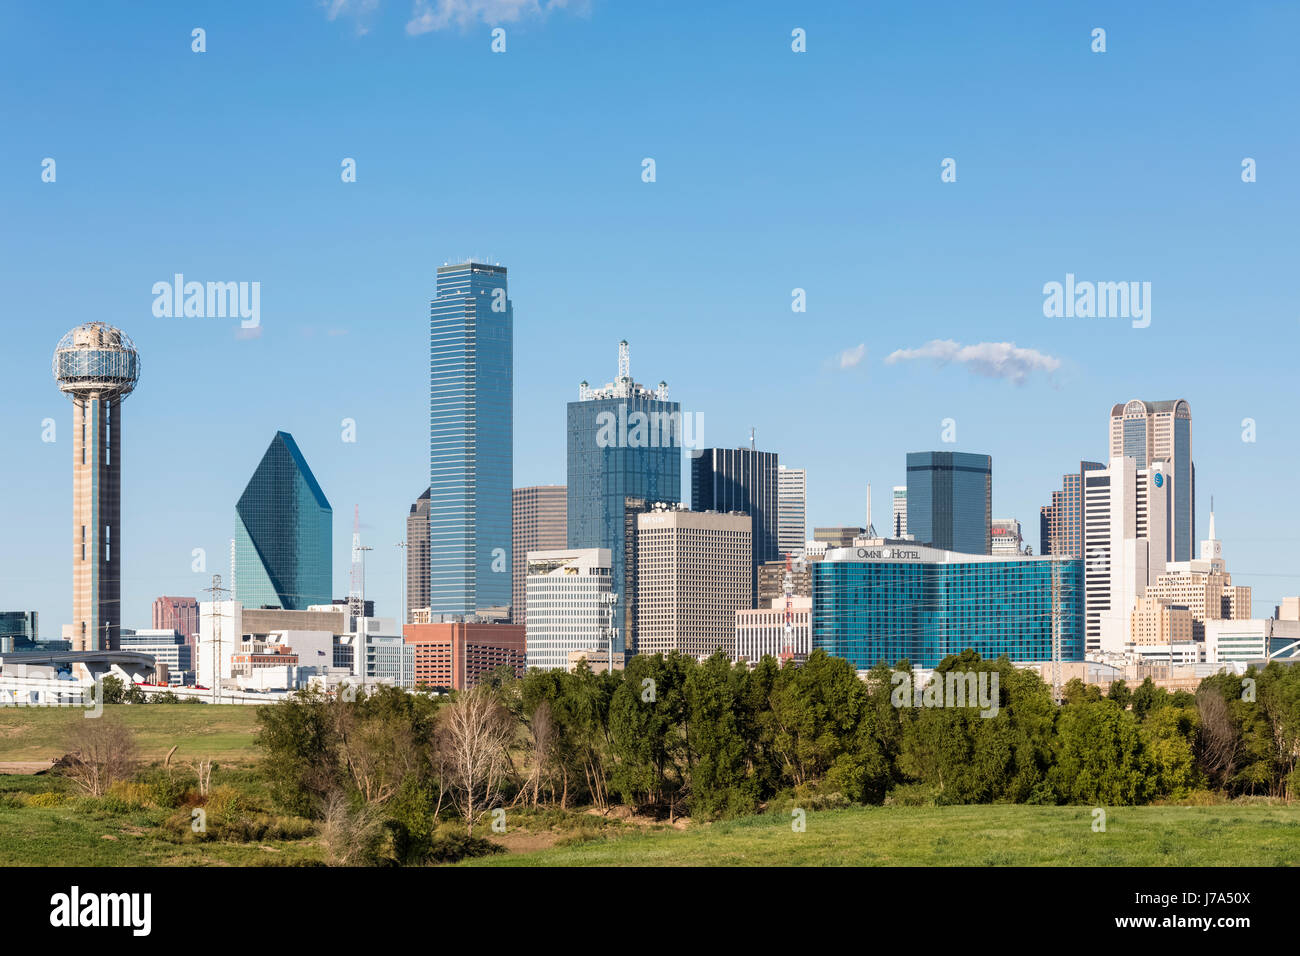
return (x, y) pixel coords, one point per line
(430, 15)
(1004, 360)
(357, 10)
(851, 357)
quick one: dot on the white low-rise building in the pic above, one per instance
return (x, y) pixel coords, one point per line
(569, 606)
(762, 632)
(1253, 639)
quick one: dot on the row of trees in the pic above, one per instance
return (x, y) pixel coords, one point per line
(672, 736)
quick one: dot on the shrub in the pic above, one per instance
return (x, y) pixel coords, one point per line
(48, 799)
(912, 795)
(100, 752)
(454, 845)
(224, 805)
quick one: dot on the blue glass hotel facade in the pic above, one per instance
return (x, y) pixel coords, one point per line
(471, 440)
(903, 601)
(283, 533)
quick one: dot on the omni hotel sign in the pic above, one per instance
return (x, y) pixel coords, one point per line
(888, 554)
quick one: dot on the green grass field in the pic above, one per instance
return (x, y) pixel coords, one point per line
(1228, 835)
(65, 837)
(223, 732)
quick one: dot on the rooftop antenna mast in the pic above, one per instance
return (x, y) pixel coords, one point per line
(871, 530)
(624, 362)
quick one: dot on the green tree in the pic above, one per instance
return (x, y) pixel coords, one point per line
(1099, 757)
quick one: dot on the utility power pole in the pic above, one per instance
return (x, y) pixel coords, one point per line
(1056, 628)
(406, 614)
(216, 591)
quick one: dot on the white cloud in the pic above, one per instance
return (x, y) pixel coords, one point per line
(851, 357)
(430, 15)
(1003, 360)
(359, 10)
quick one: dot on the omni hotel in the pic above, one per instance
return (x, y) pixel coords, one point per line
(895, 600)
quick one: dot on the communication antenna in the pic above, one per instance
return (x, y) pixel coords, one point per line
(624, 362)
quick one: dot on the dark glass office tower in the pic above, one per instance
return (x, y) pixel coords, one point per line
(283, 533)
(950, 500)
(625, 440)
(471, 440)
(740, 479)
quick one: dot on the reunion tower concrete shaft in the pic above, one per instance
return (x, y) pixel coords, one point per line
(96, 366)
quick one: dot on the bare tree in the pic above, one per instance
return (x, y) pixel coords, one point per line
(100, 751)
(203, 770)
(351, 835)
(378, 754)
(474, 734)
(542, 741)
(1218, 740)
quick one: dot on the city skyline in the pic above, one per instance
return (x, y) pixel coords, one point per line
(891, 259)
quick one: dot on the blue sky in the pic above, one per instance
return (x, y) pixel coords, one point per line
(775, 171)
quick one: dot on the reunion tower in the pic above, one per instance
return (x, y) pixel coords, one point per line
(97, 366)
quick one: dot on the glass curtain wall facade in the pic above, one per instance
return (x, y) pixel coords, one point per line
(740, 479)
(283, 533)
(923, 611)
(606, 466)
(950, 500)
(471, 440)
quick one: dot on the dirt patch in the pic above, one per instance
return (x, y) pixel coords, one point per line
(633, 818)
(524, 841)
(25, 767)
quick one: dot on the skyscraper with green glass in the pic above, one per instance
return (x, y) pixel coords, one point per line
(283, 533)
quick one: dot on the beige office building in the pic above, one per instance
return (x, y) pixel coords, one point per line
(1150, 432)
(540, 523)
(418, 555)
(1155, 621)
(1204, 587)
(694, 573)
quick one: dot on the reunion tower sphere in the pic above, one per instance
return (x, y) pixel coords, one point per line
(96, 360)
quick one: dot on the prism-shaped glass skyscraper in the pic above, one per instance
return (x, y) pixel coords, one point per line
(283, 533)
(471, 440)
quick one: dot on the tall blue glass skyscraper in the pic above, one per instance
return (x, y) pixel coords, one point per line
(471, 440)
(950, 500)
(625, 441)
(283, 533)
